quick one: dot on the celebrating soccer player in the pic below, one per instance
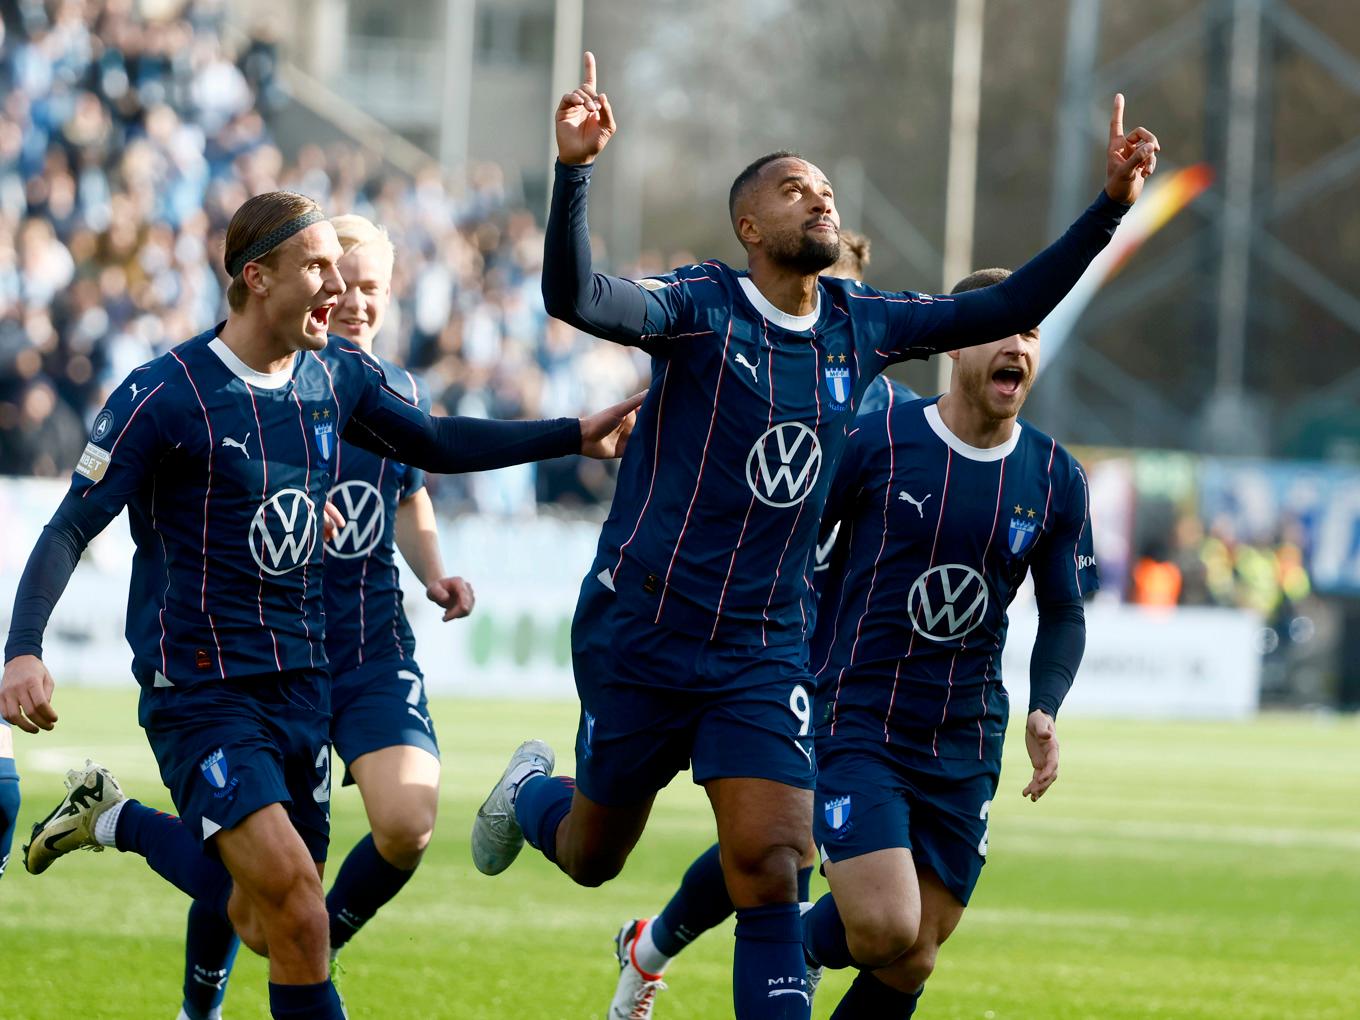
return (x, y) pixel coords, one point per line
(223, 450)
(689, 636)
(380, 722)
(948, 504)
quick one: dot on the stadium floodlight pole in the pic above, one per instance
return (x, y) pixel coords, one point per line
(961, 179)
(569, 17)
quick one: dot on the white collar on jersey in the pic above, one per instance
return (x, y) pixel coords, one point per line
(956, 444)
(793, 323)
(263, 380)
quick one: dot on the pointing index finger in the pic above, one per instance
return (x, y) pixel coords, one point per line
(1116, 118)
(589, 82)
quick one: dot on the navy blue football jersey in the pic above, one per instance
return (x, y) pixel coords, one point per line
(748, 411)
(224, 471)
(365, 621)
(936, 537)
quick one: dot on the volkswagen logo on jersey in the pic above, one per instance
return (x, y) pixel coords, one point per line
(946, 602)
(837, 812)
(784, 463)
(837, 374)
(283, 531)
(365, 517)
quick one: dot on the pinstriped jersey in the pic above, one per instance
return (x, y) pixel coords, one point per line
(224, 472)
(936, 537)
(365, 621)
(715, 515)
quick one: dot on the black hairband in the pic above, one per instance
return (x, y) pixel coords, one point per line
(273, 239)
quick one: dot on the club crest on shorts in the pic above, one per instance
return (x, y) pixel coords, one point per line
(837, 812)
(1024, 527)
(836, 370)
(214, 769)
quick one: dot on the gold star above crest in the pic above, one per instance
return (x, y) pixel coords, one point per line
(316, 415)
(1017, 508)
(327, 413)
(842, 359)
(830, 358)
(1031, 512)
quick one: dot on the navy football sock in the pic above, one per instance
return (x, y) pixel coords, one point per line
(174, 854)
(9, 807)
(540, 805)
(769, 975)
(305, 1002)
(364, 883)
(804, 884)
(867, 996)
(699, 904)
(824, 936)
(210, 945)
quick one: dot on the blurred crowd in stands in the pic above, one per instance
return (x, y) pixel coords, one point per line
(126, 143)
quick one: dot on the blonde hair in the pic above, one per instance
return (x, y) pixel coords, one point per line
(354, 231)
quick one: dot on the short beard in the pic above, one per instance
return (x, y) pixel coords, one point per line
(805, 254)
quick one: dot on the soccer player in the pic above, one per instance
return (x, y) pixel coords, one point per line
(645, 946)
(223, 449)
(380, 723)
(9, 795)
(947, 505)
(689, 639)
(903, 821)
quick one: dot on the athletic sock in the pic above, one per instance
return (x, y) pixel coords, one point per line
(9, 806)
(364, 883)
(173, 853)
(540, 805)
(305, 1002)
(804, 884)
(869, 997)
(824, 936)
(769, 974)
(647, 957)
(210, 946)
(699, 904)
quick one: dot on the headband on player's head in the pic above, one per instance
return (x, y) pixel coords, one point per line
(273, 239)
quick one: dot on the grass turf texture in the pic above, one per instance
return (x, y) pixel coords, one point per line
(1176, 870)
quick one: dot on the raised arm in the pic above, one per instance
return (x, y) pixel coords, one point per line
(920, 326)
(609, 307)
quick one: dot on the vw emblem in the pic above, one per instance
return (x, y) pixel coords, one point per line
(283, 531)
(946, 602)
(784, 463)
(362, 507)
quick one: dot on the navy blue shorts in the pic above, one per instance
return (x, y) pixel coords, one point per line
(876, 798)
(377, 705)
(228, 748)
(655, 701)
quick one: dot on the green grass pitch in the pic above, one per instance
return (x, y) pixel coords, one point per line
(1176, 871)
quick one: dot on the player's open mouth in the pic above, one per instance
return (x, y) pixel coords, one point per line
(321, 316)
(1008, 380)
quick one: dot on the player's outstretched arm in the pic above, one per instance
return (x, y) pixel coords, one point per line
(385, 423)
(1022, 300)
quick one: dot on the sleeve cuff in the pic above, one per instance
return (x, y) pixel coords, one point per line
(574, 171)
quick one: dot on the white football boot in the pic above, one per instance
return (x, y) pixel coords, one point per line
(496, 836)
(89, 793)
(636, 991)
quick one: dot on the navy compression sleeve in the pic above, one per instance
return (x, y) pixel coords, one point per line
(609, 307)
(391, 427)
(1023, 299)
(1058, 647)
(49, 568)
